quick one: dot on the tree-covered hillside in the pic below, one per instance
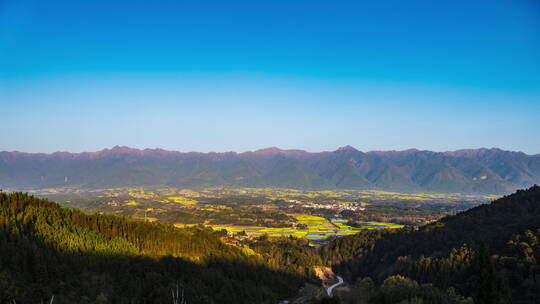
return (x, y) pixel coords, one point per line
(490, 253)
(47, 250)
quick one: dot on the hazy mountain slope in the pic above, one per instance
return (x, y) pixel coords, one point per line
(465, 171)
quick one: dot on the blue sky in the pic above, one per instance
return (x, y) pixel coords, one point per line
(243, 75)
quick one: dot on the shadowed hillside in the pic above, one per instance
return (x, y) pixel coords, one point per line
(490, 252)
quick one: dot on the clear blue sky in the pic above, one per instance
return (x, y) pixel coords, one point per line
(242, 75)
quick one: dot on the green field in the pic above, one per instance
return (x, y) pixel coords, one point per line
(311, 214)
(318, 228)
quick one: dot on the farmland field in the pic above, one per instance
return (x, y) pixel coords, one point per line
(314, 215)
(317, 228)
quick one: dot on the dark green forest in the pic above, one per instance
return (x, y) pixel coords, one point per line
(47, 250)
(490, 254)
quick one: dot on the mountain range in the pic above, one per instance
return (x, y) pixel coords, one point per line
(479, 171)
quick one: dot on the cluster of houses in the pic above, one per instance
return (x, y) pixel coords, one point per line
(330, 205)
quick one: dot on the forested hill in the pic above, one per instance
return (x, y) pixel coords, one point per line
(490, 252)
(477, 171)
(47, 250)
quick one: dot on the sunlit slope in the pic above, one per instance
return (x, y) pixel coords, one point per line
(47, 250)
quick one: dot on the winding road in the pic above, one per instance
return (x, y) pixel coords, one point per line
(329, 289)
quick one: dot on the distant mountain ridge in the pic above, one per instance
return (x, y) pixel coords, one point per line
(462, 171)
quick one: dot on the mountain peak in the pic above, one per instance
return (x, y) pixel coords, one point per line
(268, 151)
(346, 148)
(121, 150)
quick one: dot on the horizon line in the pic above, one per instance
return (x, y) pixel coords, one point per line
(268, 150)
